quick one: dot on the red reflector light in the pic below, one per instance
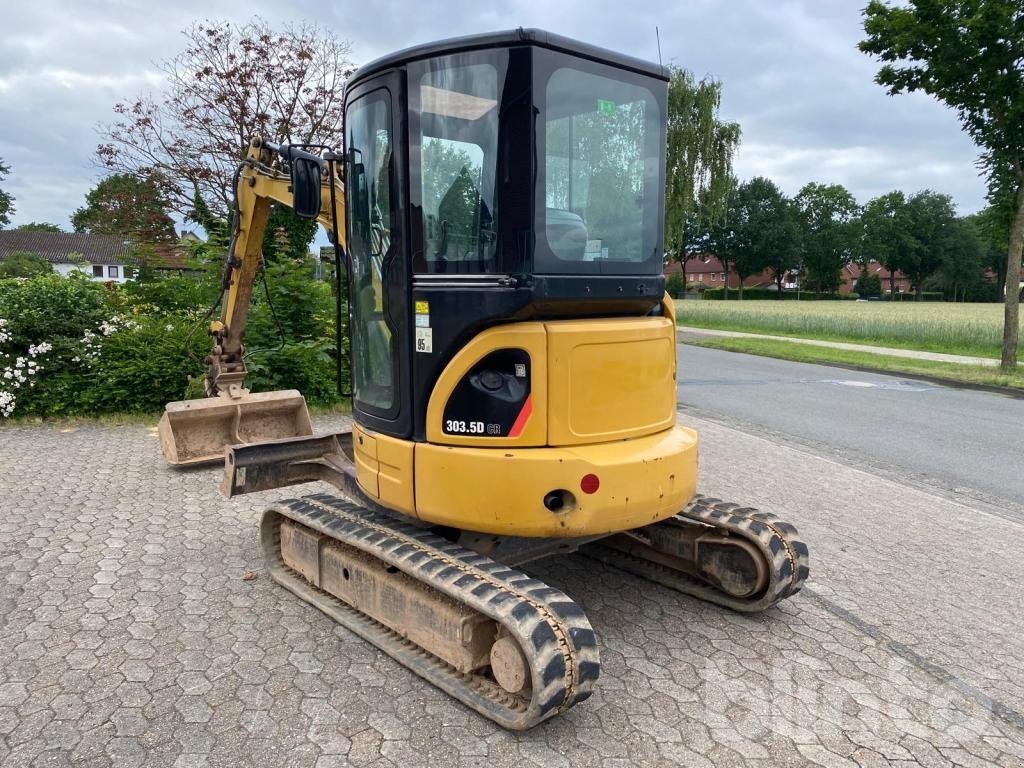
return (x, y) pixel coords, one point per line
(590, 483)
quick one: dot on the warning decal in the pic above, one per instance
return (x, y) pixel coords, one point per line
(424, 340)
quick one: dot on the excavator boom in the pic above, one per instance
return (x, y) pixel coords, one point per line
(198, 431)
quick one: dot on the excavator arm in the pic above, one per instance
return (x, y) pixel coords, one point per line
(198, 431)
(261, 182)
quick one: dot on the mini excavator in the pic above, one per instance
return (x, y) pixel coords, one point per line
(497, 214)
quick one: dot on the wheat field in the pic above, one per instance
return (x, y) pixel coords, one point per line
(966, 329)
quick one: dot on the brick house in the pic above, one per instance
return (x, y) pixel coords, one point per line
(707, 270)
(851, 273)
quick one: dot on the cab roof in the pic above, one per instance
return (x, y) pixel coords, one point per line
(507, 38)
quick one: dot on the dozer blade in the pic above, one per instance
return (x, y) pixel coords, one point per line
(199, 431)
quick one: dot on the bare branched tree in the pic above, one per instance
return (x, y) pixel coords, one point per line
(231, 83)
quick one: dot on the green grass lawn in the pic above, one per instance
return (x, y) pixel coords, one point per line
(959, 329)
(804, 353)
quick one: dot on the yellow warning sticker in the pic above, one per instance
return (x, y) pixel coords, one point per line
(422, 308)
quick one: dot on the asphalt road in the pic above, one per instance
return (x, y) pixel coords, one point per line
(963, 443)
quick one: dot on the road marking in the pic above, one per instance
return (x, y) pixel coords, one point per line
(895, 385)
(915, 659)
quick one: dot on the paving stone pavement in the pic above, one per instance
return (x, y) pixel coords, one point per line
(130, 635)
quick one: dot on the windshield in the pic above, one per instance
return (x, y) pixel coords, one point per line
(458, 137)
(602, 176)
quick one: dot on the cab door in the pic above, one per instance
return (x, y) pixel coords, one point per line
(376, 205)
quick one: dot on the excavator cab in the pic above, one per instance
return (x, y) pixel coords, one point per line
(495, 179)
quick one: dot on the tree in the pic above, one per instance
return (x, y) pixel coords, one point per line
(231, 83)
(675, 285)
(829, 220)
(931, 217)
(887, 237)
(961, 266)
(967, 54)
(773, 221)
(38, 226)
(128, 206)
(759, 231)
(700, 152)
(991, 224)
(6, 201)
(868, 284)
(24, 264)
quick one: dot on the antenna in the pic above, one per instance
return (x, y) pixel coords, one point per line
(657, 36)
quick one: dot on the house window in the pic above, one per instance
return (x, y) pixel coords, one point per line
(723, 277)
(97, 270)
(713, 276)
(700, 278)
(111, 271)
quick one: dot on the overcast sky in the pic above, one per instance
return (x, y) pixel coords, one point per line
(792, 77)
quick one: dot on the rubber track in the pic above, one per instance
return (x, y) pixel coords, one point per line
(778, 541)
(552, 630)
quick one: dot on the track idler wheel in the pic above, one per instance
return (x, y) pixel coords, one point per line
(717, 551)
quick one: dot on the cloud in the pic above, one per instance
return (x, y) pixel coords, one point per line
(791, 74)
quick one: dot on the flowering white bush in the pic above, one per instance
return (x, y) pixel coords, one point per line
(117, 323)
(91, 341)
(14, 375)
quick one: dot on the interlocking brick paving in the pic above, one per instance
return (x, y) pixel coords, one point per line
(129, 635)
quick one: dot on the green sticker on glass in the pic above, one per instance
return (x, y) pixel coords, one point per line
(606, 107)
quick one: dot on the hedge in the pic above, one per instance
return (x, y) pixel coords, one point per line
(753, 294)
(71, 346)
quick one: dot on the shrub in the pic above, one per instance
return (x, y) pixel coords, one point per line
(304, 307)
(49, 307)
(868, 285)
(135, 346)
(167, 294)
(760, 294)
(675, 285)
(142, 364)
(307, 366)
(21, 264)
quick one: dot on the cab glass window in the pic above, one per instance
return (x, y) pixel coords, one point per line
(369, 215)
(457, 98)
(602, 174)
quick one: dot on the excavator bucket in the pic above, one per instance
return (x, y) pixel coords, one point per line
(198, 431)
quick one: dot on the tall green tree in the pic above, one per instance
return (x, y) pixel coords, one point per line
(127, 206)
(967, 54)
(962, 261)
(38, 226)
(759, 231)
(700, 152)
(886, 232)
(933, 237)
(991, 224)
(6, 201)
(829, 217)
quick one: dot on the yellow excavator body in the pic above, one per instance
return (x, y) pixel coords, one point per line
(498, 211)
